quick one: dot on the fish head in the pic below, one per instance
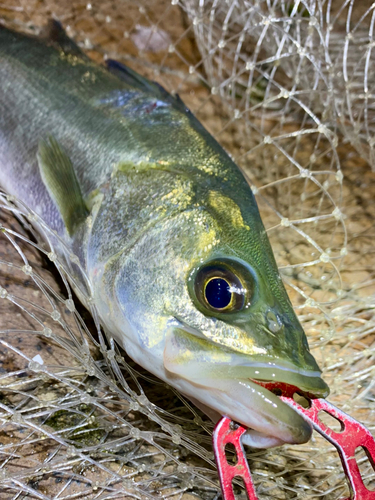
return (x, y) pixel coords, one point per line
(202, 291)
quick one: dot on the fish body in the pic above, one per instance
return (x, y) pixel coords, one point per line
(164, 224)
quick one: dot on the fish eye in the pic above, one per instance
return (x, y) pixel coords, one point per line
(220, 287)
(217, 293)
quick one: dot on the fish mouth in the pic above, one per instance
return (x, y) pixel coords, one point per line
(289, 390)
(244, 390)
(287, 382)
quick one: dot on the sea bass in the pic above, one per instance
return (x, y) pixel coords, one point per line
(165, 226)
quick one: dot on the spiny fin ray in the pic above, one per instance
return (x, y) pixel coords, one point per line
(56, 36)
(140, 82)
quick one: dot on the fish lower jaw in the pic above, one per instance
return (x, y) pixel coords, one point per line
(256, 439)
(271, 422)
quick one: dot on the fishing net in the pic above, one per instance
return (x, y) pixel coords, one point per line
(287, 87)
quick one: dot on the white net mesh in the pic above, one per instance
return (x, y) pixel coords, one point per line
(286, 88)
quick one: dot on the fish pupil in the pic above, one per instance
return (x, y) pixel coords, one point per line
(217, 293)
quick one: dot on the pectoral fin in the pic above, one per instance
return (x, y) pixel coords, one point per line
(58, 175)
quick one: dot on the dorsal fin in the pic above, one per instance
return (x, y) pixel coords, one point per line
(56, 36)
(132, 78)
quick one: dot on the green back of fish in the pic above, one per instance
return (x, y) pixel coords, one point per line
(123, 118)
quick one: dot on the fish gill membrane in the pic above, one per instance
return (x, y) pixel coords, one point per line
(287, 90)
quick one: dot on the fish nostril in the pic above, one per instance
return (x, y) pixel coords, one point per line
(274, 323)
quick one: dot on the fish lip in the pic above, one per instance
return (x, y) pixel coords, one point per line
(309, 383)
(300, 433)
(288, 382)
(284, 389)
(225, 383)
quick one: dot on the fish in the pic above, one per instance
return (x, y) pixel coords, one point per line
(165, 226)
